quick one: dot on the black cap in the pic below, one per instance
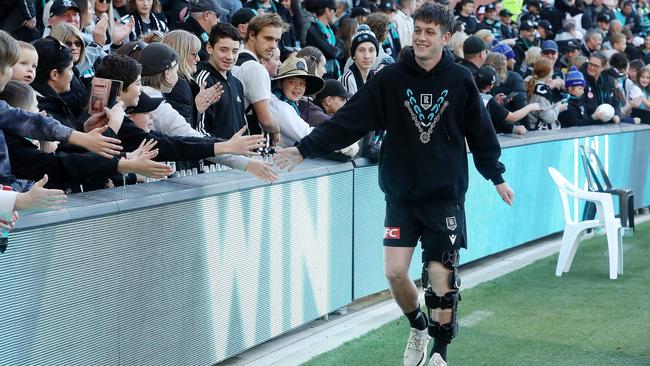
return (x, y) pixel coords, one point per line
(546, 25)
(242, 16)
(146, 104)
(571, 45)
(61, 6)
(603, 17)
(156, 58)
(359, 10)
(473, 45)
(485, 76)
(387, 5)
(527, 25)
(505, 13)
(332, 88)
(207, 5)
(490, 7)
(313, 5)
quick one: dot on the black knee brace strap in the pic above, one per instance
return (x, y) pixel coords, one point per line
(448, 301)
(445, 332)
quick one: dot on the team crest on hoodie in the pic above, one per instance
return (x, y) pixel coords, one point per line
(424, 112)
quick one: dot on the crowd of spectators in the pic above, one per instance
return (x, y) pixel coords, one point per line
(218, 82)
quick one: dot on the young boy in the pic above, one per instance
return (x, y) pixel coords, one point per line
(37, 126)
(575, 114)
(24, 70)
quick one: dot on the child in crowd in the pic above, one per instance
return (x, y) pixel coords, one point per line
(575, 114)
(69, 171)
(24, 70)
(37, 126)
(540, 92)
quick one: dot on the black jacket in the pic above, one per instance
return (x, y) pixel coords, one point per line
(55, 106)
(520, 48)
(575, 115)
(227, 116)
(441, 106)
(471, 23)
(65, 171)
(170, 148)
(194, 27)
(78, 96)
(181, 97)
(469, 66)
(514, 88)
(318, 39)
(598, 92)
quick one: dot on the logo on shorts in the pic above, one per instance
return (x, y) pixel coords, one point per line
(391, 233)
(451, 223)
(452, 238)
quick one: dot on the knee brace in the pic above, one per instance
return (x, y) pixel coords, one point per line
(444, 332)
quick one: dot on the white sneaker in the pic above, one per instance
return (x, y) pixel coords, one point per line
(416, 348)
(436, 360)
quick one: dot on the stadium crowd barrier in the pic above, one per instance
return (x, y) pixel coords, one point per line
(197, 269)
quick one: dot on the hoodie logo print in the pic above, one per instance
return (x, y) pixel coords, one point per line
(418, 110)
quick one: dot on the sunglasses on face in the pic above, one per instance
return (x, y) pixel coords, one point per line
(77, 44)
(103, 1)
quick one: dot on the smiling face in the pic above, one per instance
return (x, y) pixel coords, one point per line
(131, 95)
(223, 54)
(428, 40)
(75, 45)
(144, 121)
(25, 70)
(294, 87)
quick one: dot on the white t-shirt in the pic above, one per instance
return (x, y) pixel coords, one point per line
(255, 79)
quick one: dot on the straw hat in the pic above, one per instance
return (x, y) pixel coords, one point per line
(294, 66)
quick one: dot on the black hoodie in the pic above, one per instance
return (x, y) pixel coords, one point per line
(410, 170)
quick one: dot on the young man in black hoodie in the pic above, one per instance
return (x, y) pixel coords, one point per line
(429, 107)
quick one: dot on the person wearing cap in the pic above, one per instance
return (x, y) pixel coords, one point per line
(178, 148)
(575, 114)
(545, 30)
(592, 42)
(502, 119)
(321, 35)
(146, 20)
(203, 15)
(364, 50)
(474, 53)
(603, 20)
(359, 13)
(240, 20)
(404, 22)
(525, 41)
(429, 107)
(64, 11)
(506, 30)
(480, 13)
(331, 98)
(227, 116)
(490, 20)
(264, 33)
(531, 13)
(68, 170)
(551, 51)
(292, 83)
(392, 44)
(569, 50)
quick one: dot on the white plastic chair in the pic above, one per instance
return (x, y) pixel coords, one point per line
(574, 230)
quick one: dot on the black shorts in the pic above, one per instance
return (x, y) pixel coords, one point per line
(440, 228)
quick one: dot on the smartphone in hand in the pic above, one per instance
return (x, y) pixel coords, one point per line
(103, 93)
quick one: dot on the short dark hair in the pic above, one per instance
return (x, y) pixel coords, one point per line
(619, 61)
(223, 30)
(18, 95)
(52, 55)
(437, 14)
(119, 67)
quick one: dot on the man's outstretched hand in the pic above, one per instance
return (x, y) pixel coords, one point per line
(507, 194)
(287, 158)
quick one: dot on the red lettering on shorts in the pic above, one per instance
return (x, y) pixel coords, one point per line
(391, 233)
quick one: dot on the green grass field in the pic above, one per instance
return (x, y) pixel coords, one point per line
(531, 317)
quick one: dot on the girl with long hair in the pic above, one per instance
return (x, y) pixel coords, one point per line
(539, 92)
